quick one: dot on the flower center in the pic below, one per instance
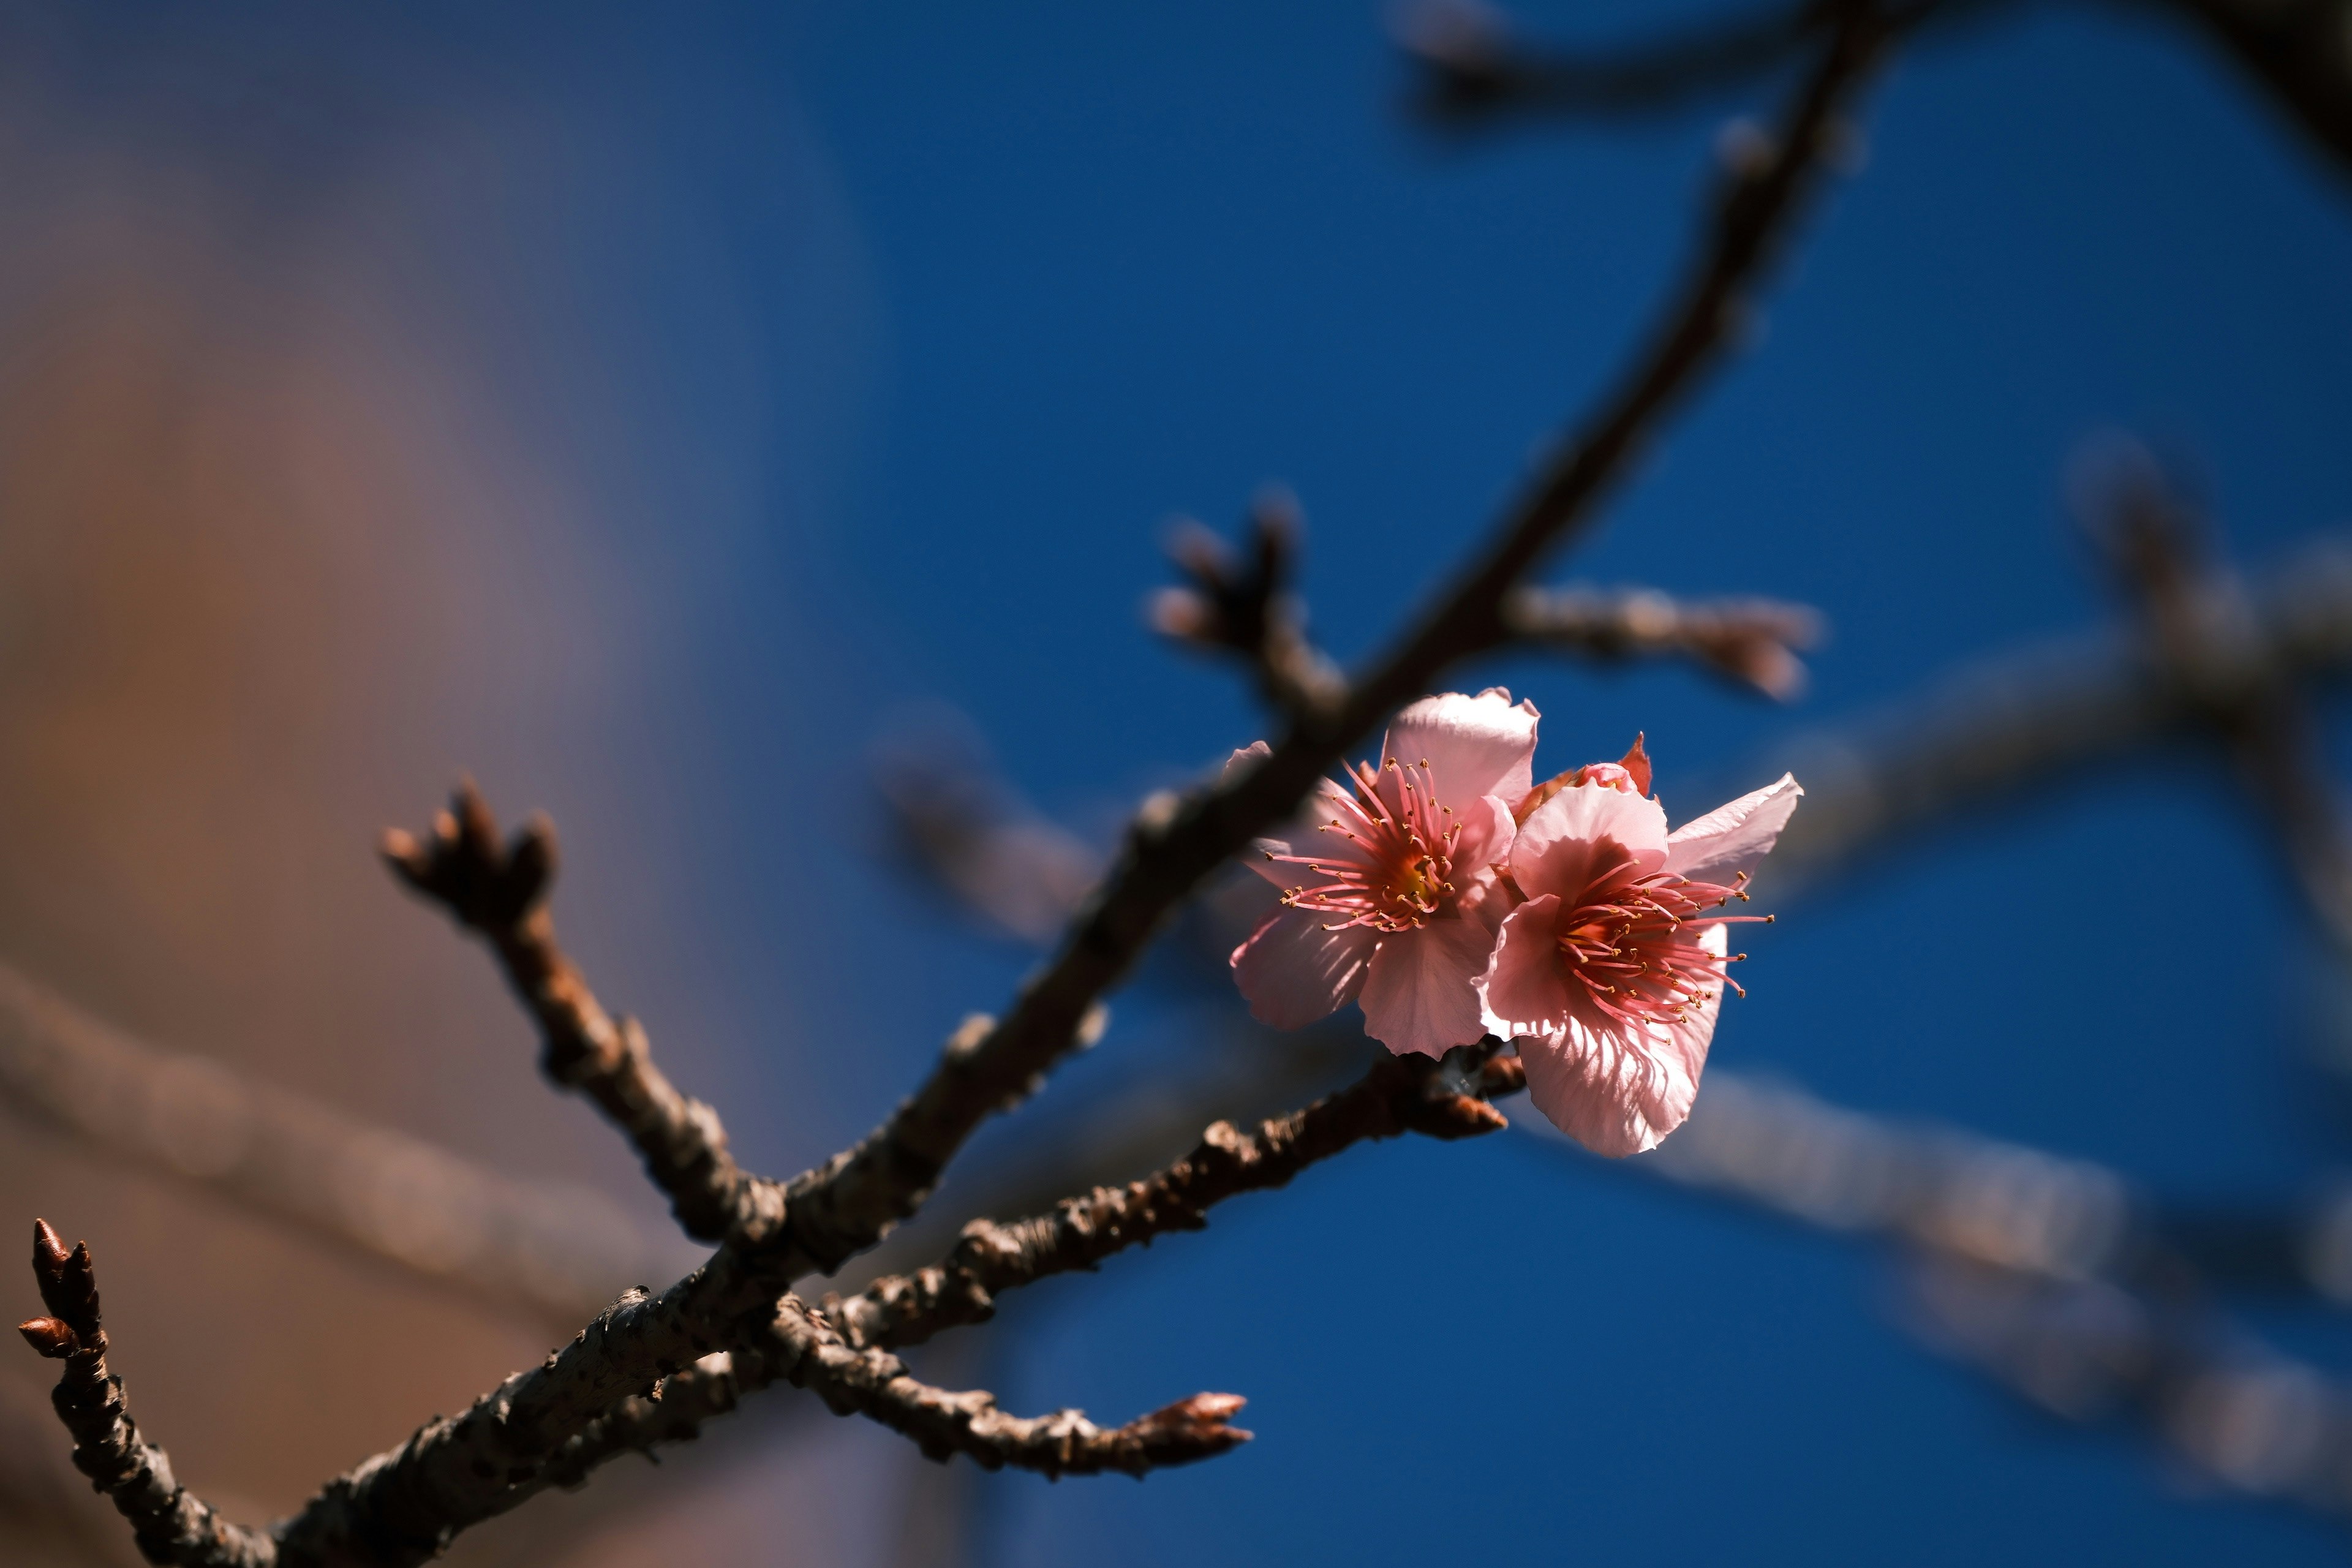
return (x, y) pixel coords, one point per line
(1630, 942)
(1398, 869)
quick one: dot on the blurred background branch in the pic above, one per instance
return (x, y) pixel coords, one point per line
(2038, 714)
(554, 1253)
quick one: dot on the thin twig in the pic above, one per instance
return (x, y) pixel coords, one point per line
(1473, 68)
(1445, 1100)
(170, 1523)
(500, 892)
(800, 1346)
(1753, 642)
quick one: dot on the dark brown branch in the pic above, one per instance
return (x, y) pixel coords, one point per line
(170, 1523)
(673, 1410)
(843, 1207)
(500, 892)
(801, 1347)
(1750, 641)
(875, 1384)
(2296, 50)
(1247, 608)
(1473, 68)
(561, 1252)
(508, 1436)
(403, 1508)
(1401, 1094)
(47, 1510)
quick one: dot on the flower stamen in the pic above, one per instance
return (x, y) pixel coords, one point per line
(1402, 873)
(1625, 945)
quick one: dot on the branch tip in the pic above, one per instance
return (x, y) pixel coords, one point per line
(1190, 1429)
(48, 1254)
(498, 889)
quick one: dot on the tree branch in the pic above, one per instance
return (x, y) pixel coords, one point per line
(499, 892)
(2296, 50)
(1751, 641)
(404, 1507)
(1444, 1100)
(1473, 68)
(170, 1523)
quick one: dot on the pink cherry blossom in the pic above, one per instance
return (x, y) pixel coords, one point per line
(1610, 972)
(1389, 895)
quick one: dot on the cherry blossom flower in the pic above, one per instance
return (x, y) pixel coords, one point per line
(1610, 972)
(1389, 895)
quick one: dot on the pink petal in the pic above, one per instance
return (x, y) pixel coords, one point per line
(1523, 990)
(1732, 839)
(1486, 899)
(1473, 745)
(1294, 972)
(1618, 1090)
(1555, 849)
(1418, 999)
(1599, 1087)
(1687, 1041)
(1488, 832)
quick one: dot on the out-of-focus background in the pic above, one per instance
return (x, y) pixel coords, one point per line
(655, 412)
